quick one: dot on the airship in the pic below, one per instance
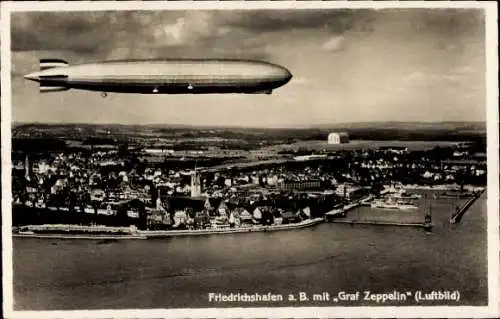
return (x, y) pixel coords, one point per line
(184, 76)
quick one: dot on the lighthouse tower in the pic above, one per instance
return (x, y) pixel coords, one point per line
(195, 184)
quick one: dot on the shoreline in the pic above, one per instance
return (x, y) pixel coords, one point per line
(151, 234)
(68, 231)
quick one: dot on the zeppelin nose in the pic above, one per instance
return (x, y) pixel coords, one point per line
(287, 75)
(281, 73)
(33, 76)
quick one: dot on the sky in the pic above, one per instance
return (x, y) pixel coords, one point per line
(353, 65)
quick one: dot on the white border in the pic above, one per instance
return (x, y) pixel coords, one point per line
(492, 310)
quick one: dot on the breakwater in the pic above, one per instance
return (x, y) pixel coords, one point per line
(98, 232)
(457, 216)
(382, 223)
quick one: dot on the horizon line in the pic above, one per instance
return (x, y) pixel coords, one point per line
(309, 126)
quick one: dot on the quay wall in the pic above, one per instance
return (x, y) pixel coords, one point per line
(65, 231)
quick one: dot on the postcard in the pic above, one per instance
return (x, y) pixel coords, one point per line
(250, 159)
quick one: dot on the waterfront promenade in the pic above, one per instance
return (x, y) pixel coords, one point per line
(98, 232)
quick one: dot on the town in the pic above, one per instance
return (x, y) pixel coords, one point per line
(199, 187)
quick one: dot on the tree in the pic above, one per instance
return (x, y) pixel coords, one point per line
(221, 181)
(267, 217)
(123, 150)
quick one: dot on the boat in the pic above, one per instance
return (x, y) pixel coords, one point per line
(383, 204)
(455, 194)
(390, 204)
(402, 194)
(406, 205)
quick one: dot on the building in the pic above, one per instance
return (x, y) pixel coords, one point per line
(158, 151)
(300, 185)
(338, 138)
(346, 190)
(195, 184)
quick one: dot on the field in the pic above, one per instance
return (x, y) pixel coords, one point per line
(358, 145)
(414, 136)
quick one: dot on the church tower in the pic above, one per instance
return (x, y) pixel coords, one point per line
(195, 184)
(159, 205)
(27, 168)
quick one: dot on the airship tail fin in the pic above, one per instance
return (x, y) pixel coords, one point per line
(52, 63)
(52, 83)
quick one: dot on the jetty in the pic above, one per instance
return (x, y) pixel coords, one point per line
(382, 223)
(457, 216)
(342, 211)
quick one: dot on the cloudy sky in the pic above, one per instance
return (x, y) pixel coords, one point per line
(348, 65)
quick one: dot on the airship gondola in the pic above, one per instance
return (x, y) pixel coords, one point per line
(185, 76)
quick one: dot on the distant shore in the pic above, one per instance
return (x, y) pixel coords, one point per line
(110, 233)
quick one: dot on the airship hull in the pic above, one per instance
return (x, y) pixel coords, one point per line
(165, 77)
(185, 87)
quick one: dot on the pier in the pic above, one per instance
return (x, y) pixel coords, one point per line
(342, 211)
(382, 223)
(457, 216)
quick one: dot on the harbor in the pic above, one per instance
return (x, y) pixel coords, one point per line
(402, 209)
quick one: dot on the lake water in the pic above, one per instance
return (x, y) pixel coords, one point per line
(181, 272)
